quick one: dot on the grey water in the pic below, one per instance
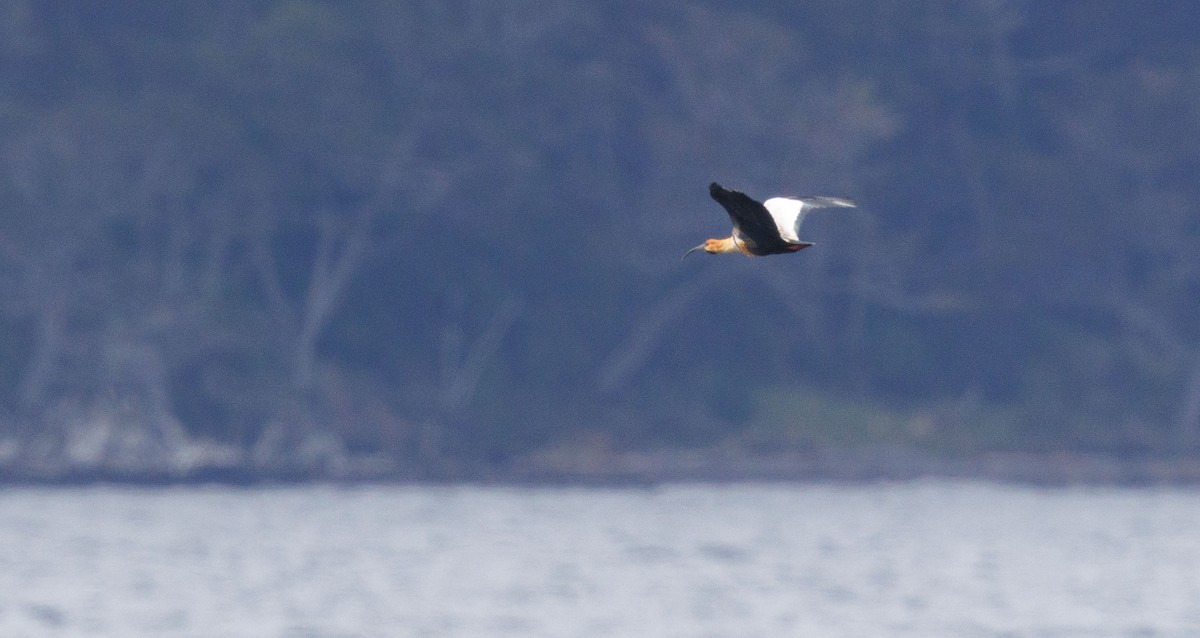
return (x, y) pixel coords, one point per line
(925, 558)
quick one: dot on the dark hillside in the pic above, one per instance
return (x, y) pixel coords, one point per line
(443, 238)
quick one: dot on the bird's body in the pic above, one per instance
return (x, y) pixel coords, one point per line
(769, 228)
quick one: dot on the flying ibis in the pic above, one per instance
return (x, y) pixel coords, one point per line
(769, 228)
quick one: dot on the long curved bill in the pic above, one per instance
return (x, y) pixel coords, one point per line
(700, 247)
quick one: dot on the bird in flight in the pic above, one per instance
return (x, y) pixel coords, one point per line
(769, 228)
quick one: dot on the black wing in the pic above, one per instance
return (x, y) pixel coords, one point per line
(751, 220)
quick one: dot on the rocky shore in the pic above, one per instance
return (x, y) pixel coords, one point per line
(326, 461)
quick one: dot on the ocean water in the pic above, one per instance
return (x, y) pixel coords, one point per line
(927, 558)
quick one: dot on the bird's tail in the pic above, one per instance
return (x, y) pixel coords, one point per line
(821, 201)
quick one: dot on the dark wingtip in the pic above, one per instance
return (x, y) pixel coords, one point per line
(714, 188)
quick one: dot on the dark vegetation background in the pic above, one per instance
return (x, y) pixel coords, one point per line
(443, 238)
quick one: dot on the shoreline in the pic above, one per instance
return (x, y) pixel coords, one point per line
(647, 469)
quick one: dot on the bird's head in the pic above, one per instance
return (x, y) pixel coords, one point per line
(715, 246)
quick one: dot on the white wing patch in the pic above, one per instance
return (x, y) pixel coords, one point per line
(789, 212)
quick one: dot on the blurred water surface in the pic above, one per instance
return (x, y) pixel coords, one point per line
(930, 558)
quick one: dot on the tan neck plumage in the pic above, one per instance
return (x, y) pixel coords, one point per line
(724, 246)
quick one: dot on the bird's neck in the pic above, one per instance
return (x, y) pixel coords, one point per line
(723, 246)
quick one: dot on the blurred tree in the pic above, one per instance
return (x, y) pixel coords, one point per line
(448, 232)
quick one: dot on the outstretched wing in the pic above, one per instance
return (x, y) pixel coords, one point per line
(788, 213)
(751, 220)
